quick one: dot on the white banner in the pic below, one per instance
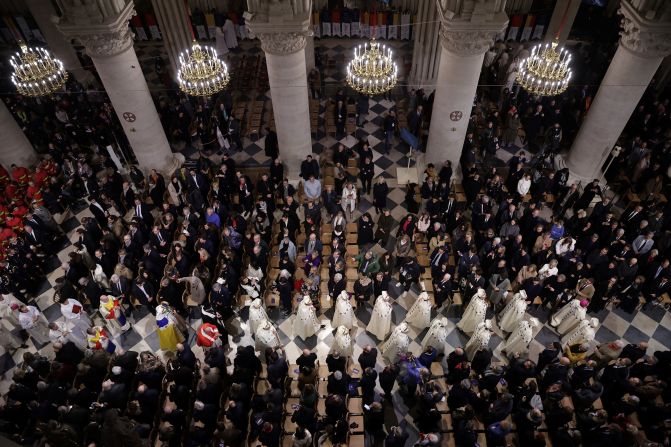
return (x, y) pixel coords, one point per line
(202, 32)
(356, 29)
(382, 31)
(336, 29)
(346, 29)
(365, 31)
(326, 29)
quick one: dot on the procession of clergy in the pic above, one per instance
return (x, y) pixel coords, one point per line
(570, 322)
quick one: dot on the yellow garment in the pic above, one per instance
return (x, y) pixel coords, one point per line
(576, 356)
(169, 337)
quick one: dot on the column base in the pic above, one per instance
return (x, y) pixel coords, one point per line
(174, 163)
(574, 177)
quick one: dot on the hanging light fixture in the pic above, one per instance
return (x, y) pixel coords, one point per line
(372, 70)
(547, 71)
(201, 72)
(36, 72)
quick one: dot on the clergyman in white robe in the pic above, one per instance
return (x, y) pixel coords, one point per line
(513, 313)
(60, 332)
(569, 316)
(479, 339)
(437, 334)
(266, 336)
(397, 343)
(475, 312)
(342, 342)
(419, 315)
(257, 314)
(518, 341)
(583, 333)
(380, 320)
(343, 314)
(305, 322)
(32, 320)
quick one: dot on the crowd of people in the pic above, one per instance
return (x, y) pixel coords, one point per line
(503, 239)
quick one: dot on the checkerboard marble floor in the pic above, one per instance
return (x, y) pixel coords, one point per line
(651, 324)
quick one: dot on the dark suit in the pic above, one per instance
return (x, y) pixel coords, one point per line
(145, 214)
(147, 298)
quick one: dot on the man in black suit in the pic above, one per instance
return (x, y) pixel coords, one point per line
(185, 355)
(438, 256)
(142, 212)
(106, 260)
(120, 288)
(277, 368)
(307, 359)
(196, 180)
(92, 291)
(337, 383)
(368, 357)
(160, 240)
(309, 167)
(442, 288)
(144, 292)
(127, 197)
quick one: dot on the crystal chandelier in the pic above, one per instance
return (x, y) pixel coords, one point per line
(372, 70)
(546, 71)
(201, 72)
(36, 72)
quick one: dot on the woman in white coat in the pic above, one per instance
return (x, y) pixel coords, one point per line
(437, 334)
(306, 323)
(380, 320)
(344, 313)
(514, 312)
(397, 343)
(419, 315)
(257, 314)
(475, 312)
(518, 341)
(342, 342)
(479, 339)
(569, 316)
(348, 199)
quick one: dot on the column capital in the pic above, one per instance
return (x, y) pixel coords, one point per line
(468, 28)
(646, 28)
(102, 28)
(282, 26)
(282, 43)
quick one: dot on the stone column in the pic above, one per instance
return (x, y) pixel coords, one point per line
(645, 41)
(45, 15)
(558, 17)
(15, 146)
(426, 50)
(465, 36)
(283, 31)
(103, 30)
(175, 28)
